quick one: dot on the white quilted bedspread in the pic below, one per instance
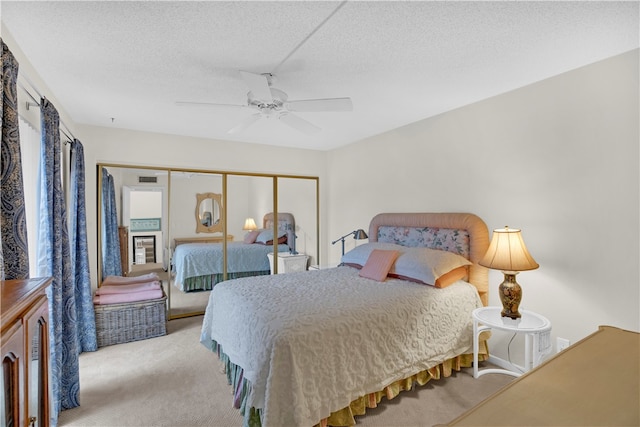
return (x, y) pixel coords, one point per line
(313, 341)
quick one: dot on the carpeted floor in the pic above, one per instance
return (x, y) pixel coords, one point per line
(175, 381)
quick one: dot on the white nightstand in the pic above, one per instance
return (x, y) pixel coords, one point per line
(288, 262)
(531, 324)
(316, 267)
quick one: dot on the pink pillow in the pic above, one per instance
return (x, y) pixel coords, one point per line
(378, 264)
(251, 236)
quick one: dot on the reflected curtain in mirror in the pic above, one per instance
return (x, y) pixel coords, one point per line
(111, 261)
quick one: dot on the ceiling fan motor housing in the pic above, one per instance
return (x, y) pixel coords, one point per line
(265, 107)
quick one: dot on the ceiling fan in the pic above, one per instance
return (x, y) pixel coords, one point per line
(270, 102)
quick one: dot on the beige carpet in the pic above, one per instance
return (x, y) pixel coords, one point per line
(175, 381)
(182, 303)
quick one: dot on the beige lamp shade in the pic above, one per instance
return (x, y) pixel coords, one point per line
(249, 224)
(507, 252)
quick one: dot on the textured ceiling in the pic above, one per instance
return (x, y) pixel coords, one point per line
(398, 61)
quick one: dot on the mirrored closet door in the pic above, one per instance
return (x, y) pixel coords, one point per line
(195, 228)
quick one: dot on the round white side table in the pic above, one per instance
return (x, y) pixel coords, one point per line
(531, 324)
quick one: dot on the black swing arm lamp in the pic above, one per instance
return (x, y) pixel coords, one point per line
(357, 234)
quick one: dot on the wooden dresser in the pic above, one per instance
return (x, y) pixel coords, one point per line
(594, 382)
(25, 353)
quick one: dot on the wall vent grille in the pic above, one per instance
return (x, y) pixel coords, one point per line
(147, 179)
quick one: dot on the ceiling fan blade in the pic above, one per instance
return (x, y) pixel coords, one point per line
(208, 104)
(327, 104)
(298, 123)
(258, 85)
(248, 121)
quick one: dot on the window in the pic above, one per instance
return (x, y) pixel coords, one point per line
(30, 141)
(30, 152)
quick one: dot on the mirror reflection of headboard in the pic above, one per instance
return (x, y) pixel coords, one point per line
(209, 213)
(286, 222)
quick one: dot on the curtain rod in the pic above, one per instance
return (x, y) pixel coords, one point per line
(36, 103)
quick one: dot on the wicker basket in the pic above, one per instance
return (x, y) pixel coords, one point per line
(133, 321)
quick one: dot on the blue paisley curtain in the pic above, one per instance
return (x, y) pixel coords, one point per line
(53, 248)
(85, 316)
(111, 265)
(14, 251)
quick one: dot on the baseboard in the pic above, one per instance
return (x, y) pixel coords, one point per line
(504, 364)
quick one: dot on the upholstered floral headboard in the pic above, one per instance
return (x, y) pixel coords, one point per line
(462, 233)
(286, 222)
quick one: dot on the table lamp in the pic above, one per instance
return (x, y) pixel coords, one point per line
(249, 224)
(508, 253)
(357, 234)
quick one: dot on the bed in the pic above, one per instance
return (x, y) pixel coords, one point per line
(319, 347)
(199, 266)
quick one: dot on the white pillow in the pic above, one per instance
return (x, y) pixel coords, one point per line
(358, 256)
(430, 266)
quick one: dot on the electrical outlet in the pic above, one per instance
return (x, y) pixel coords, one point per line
(562, 344)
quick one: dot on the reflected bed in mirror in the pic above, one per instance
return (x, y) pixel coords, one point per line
(199, 266)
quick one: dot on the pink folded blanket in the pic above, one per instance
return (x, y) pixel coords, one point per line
(121, 289)
(127, 297)
(118, 280)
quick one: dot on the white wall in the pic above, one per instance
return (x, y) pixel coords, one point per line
(184, 187)
(146, 204)
(558, 159)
